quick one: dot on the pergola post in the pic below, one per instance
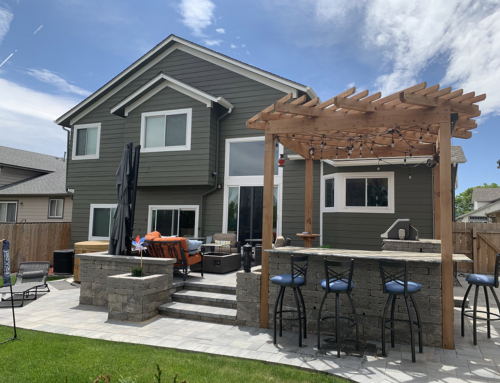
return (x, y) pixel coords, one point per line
(446, 234)
(308, 213)
(437, 202)
(267, 226)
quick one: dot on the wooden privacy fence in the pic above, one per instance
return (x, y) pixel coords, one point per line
(480, 242)
(34, 241)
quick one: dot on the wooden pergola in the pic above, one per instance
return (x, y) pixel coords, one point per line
(417, 121)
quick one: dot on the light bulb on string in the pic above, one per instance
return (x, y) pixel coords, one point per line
(392, 143)
(371, 150)
(360, 155)
(337, 154)
(428, 131)
(409, 176)
(378, 166)
(349, 155)
(293, 137)
(400, 136)
(420, 139)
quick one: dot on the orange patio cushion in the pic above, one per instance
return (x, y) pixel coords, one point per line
(183, 241)
(191, 260)
(152, 236)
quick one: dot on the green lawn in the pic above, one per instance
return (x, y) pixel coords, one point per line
(45, 357)
(13, 277)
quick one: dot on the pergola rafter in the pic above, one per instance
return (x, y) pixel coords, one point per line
(417, 121)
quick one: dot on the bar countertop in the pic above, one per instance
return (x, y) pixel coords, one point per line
(367, 254)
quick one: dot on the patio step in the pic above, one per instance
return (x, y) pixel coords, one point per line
(211, 288)
(205, 298)
(198, 312)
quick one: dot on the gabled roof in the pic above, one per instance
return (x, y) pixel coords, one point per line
(52, 181)
(492, 207)
(162, 50)
(485, 194)
(457, 155)
(160, 82)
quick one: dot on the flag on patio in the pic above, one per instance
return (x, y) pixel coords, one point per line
(6, 263)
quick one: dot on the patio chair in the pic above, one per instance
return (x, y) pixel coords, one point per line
(234, 246)
(173, 247)
(30, 276)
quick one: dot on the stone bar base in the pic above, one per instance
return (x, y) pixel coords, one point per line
(95, 268)
(420, 246)
(368, 298)
(248, 297)
(136, 299)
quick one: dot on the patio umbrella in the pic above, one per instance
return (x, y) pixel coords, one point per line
(119, 232)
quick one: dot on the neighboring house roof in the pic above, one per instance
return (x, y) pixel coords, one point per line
(485, 194)
(160, 82)
(457, 155)
(492, 207)
(52, 181)
(162, 50)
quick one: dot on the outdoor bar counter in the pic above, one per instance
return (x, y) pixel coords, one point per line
(369, 300)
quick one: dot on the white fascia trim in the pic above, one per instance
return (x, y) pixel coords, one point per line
(231, 65)
(91, 222)
(176, 85)
(196, 209)
(95, 156)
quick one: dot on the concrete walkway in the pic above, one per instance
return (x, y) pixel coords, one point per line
(59, 312)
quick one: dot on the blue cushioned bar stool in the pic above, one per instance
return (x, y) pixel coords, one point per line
(478, 280)
(339, 277)
(395, 283)
(295, 280)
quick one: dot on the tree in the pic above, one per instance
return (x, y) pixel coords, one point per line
(463, 201)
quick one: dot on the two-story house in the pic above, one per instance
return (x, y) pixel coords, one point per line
(33, 187)
(201, 169)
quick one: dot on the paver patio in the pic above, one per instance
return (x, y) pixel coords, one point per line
(59, 312)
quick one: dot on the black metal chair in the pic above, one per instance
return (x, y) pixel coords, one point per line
(478, 280)
(395, 283)
(339, 282)
(295, 280)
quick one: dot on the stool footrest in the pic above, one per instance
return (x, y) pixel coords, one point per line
(466, 313)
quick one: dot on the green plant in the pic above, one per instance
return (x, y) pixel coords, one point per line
(105, 379)
(158, 373)
(126, 380)
(137, 272)
(325, 246)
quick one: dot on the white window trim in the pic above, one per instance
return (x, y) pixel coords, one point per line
(196, 208)
(91, 221)
(250, 181)
(17, 207)
(62, 212)
(189, 113)
(98, 143)
(340, 201)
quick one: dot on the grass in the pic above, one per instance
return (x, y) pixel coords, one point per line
(45, 357)
(13, 279)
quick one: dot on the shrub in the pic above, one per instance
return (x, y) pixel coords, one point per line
(137, 272)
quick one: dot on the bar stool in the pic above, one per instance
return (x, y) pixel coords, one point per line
(395, 283)
(294, 280)
(339, 282)
(485, 281)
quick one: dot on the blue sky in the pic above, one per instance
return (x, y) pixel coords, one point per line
(54, 53)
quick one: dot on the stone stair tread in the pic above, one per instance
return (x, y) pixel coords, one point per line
(209, 311)
(188, 284)
(206, 296)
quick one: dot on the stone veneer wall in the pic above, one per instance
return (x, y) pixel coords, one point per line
(95, 268)
(368, 298)
(421, 246)
(248, 297)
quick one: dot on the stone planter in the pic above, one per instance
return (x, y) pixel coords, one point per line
(136, 299)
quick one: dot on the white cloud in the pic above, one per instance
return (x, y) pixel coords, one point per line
(197, 15)
(211, 43)
(351, 85)
(7, 59)
(220, 30)
(49, 77)
(26, 113)
(234, 46)
(6, 17)
(38, 29)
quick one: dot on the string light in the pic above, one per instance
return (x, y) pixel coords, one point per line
(409, 176)
(349, 155)
(420, 139)
(293, 137)
(378, 166)
(337, 153)
(392, 143)
(428, 131)
(371, 150)
(400, 136)
(360, 155)
(405, 159)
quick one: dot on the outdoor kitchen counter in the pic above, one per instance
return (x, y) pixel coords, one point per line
(367, 254)
(369, 299)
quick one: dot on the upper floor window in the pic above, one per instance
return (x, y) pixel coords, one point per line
(8, 211)
(56, 207)
(102, 217)
(86, 140)
(168, 130)
(358, 192)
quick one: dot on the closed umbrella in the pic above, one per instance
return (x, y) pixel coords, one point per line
(119, 232)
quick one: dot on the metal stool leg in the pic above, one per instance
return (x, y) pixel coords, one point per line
(355, 321)
(487, 310)
(275, 313)
(337, 323)
(420, 343)
(474, 318)
(299, 313)
(412, 341)
(303, 309)
(392, 319)
(495, 296)
(383, 324)
(282, 291)
(319, 319)
(463, 307)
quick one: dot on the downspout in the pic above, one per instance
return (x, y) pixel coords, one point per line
(216, 167)
(68, 131)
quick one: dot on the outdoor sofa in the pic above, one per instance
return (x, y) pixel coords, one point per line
(30, 276)
(233, 247)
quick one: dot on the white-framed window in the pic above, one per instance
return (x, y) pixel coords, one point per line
(56, 208)
(371, 192)
(102, 217)
(86, 141)
(8, 211)
(174, 220)
(168, 130)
